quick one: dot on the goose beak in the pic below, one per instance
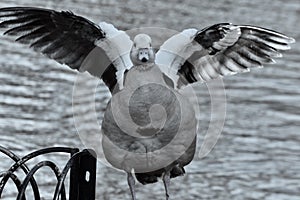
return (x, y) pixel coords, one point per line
(143, 55)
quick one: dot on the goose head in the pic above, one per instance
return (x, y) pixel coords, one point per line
(142, 52)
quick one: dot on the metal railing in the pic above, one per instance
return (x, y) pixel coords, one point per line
(82, 167)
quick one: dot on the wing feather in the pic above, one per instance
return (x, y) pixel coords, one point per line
(42, 27)
(69, 39)
(225, 49)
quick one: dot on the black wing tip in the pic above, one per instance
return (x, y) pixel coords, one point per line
(16, 11)
(289, 40)
(109, 77)
(26, 9)
(21, 8)
(40, 27)
(216, 26)
(211, 34)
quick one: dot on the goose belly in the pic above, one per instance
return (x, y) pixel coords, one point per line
(148, 128)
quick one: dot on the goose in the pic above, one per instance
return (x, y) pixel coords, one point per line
(145, 84)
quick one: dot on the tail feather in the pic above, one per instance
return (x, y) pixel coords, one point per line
(152, 177)
(146, 178)
(177, 171)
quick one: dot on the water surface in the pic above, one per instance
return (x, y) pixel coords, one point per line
(258, 154)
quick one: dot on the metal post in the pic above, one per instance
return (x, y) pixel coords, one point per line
(83, 177)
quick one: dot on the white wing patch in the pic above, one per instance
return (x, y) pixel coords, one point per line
(175, 51)
(117, 46)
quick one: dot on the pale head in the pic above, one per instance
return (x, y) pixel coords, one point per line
(142, 52)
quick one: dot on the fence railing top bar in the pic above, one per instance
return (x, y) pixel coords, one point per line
(9, 153)
(34, 154)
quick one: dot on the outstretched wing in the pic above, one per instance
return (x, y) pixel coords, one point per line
(72, 40)
(219, 50)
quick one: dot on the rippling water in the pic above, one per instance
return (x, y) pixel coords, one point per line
(258, 155)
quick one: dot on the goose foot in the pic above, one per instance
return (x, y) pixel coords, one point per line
(166, 180)
(131, 183)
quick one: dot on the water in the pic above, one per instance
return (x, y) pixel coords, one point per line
(258, 154)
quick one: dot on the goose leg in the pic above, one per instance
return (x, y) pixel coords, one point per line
(131, 183)
(166, 180)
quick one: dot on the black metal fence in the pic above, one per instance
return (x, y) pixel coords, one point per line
(81, 165)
